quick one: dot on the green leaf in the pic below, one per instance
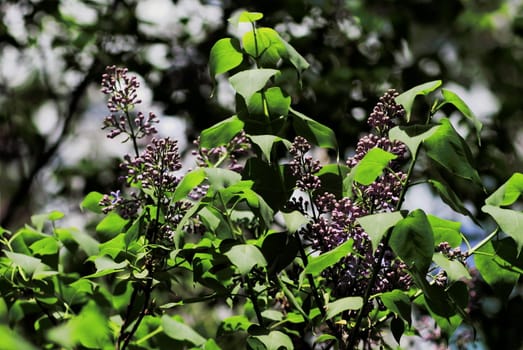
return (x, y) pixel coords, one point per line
(343, 304)
(319, 263)
(450, 197)
(275, 340)
(221, 178)
(313, 131)
(91, 201)
(454, 269)
(272, 102)
(251, 17)
(87, 243)
(397, 328)
(45, 246)
(234, 324)
(39, 220)
(510, 222)
(294, 220)
(413, 241)
(191, 180)
(264, 44)
(376, 225)
(508, 193)
(29, 265)
(279, 250)
(221, 133)
(454, 99)
(445, 231)
(266, 143)
(111, 225)
(225, 55)
(114, 246)
(371, 166)
(247, 82)
(448, 149)
(245, 257)
(106, 266)
(494, 261)
(413, 135)
(399, 303)
(297, 60)
(11, 340)
(180, 331)
(406, 99)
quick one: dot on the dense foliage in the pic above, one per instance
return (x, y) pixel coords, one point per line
(299, 252)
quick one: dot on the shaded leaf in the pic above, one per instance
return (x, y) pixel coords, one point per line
(454, 99)
(412, 136)
(399, 303)
(180, 331)
(455, 270)
(413, 241)
(445, 231)
(450, 197)
(406, 99)
(510, 221)
(266, 143)
(448, 149)
(315, 132)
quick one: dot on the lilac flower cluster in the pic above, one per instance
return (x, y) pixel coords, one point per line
(228, 155)
(334, 220)
(123, 97)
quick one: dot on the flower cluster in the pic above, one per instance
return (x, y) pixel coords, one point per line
(334, 221)
(123, 97)
(227, 155)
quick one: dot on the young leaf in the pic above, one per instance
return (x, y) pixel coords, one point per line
(445, 231)
(294, 220)
(297, 60)
(376, 225)
(221, 133)
(448, 149)
(114, 246)
(180, 331)
(343, 304)
(247, 82)
(245, 257)
(454, 99)
(106, 266)
(249, 17)
(319, 263)
(371, 166)
(225, 55)
(45, 246)
(29, 265)
(406, 99)
(510, 222)
(221, 178)
(313, 131)
(413, 241)
(264, 44)
(272, 102)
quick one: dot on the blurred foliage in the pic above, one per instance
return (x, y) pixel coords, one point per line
(52, 54)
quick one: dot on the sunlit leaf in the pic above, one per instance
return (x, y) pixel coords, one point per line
(450, 197)
(273, 102)
(91, 201)
(106, 266)
(191, 180)
(510, 221)
(225, 55)
(45, 246)
(376, 225)
(454, 269)
(445, 231)
(275, 340)
(266, 143)
(111, 225)
(245, 257)
(264, 44)
(294, 220)
(343, 304)
(406, 99)
(247, 82)
(508, 193)
(398, 302)
(319, 263)
(371, 166)
(221, 133)
(250, 16)
(412, 136)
